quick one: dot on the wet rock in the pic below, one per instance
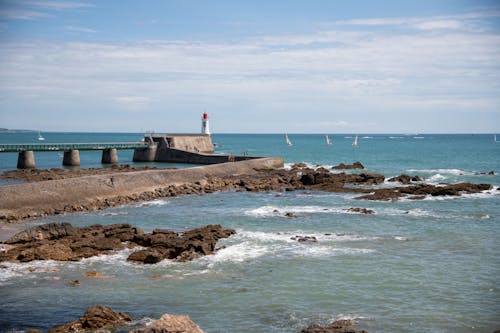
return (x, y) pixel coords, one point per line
(291, 215)
(94, 240)
(355, 165)
(171, 324)
(95, 318)
(339, 326)
(405, 179)
(382, 195)
(300, 165)
(49, 231)
(358, 210)
(181, 247)
(451, 189)
(310, 239)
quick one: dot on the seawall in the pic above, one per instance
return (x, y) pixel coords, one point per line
(33, 199)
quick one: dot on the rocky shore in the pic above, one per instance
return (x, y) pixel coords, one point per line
(64, 242)
(88, 193)
(104, 319)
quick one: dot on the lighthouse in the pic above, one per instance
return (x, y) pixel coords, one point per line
(204, 124)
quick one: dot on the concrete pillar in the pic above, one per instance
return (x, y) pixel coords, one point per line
(109, 156)
(26, 160)
(145, 154)
(71, 157)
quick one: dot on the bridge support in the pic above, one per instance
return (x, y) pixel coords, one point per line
(109, 156)
(71, 157)
(26, 160)
(146, 154)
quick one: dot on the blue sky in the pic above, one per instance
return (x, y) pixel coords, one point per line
(254, 66)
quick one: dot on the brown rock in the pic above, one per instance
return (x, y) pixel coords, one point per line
(171, 324)
(360, 210)
(405, 179)
(96, 317)
(339, 326)
(355, 165)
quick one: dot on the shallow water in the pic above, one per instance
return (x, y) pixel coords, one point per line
(413, 266)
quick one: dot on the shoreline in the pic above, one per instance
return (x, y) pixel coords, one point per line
(72, 194)
(87, 193)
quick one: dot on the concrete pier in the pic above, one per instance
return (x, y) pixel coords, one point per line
(26, 160)
(146, 154)
(71, 157)
(109, 156)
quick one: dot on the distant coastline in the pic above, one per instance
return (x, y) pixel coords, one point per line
(6, 130)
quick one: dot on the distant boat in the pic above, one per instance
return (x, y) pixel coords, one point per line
(327, 138)
(495, 137)
(288, 142)
(40, 137)
(355, 143)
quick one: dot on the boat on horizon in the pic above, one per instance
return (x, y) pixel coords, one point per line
(355, 143)
(495, 137)
(288, 142)
(40, 137)
(327, 138)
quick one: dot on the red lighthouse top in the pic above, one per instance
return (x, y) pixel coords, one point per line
(205, 116)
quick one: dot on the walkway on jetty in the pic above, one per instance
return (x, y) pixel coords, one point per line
(9, 148)
(26, 158)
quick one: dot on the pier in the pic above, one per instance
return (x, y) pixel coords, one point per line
(26, 158)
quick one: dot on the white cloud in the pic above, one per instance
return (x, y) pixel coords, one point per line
(438, 24)
(56, 5)
(436, 68)
(79, 29)
(20, 14)
(425, 23)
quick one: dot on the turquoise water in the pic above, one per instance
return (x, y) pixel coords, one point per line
(414, 266)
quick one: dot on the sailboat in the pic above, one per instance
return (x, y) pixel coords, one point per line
(495, 137)
(288, 142)
(40, 137)
(327, 138)
(355, 143)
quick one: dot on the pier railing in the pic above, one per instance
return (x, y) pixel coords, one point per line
(8, 148)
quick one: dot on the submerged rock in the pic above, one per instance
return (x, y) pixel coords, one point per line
(339, 326)
(359, 210)
(310, 239)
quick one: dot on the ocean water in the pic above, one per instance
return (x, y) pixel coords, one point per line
(414, 266)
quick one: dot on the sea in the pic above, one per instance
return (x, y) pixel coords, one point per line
(430, 265)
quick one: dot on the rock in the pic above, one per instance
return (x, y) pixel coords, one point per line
(291, 215)
(301, 239)
(300, 165)
(405, 179)
(360, 210)
(49, 231)
(180, 247)
(171, 324)
(382, 195)
(94, 240)
(339, 326)
(355, 165)
(96, 317)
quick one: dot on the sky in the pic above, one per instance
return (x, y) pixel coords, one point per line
(315, 66)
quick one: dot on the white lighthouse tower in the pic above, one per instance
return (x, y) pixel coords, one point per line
(204, 124)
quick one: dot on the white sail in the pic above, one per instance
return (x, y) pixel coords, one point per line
(495, 138)
(40, 137)
(327, 138)
(288, 142)
(355, 143)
